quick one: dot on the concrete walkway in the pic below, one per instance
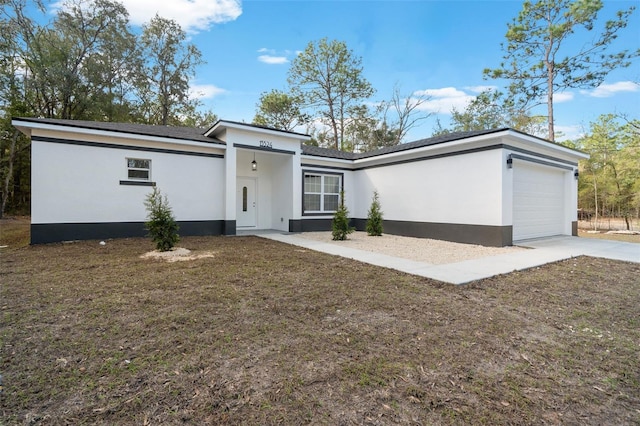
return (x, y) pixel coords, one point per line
(542, 251)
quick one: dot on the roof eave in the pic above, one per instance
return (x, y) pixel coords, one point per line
(544, 142)
(32, 124)
(222, 125)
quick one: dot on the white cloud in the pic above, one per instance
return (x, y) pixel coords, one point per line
(607, 90)
(443, 100)
(192, 15)
(270, 59)
(445, 92)
(562, 97)
(204, 91)
(571, 132)
(480, 89)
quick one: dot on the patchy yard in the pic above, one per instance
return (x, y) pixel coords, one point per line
(265, 333)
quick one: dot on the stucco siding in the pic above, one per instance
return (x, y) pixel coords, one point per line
(463, 188)
(76, 184)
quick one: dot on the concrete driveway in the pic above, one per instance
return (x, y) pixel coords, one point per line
(542, 251)
(574, 246)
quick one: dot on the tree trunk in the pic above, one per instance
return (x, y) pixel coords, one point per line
(595, 190)
(9, 176)
(552, 133)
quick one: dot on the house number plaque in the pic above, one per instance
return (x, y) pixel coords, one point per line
(266, 144)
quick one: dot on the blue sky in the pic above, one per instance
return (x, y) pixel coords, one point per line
(435, 47)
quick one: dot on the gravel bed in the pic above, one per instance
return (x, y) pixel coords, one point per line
(435, 252)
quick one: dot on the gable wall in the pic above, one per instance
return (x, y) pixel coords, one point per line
(454, 189)
(80, 183)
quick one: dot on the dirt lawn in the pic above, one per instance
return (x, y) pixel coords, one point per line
(266, 333)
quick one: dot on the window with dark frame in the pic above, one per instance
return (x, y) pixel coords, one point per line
(321, 192)
(138, 169)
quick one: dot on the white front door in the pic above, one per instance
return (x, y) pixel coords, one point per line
(246, 209)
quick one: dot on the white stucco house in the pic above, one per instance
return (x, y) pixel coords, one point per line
(493, 187)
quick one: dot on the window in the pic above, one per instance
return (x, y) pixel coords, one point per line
(244, 198)
(138, 169)
(321, 193)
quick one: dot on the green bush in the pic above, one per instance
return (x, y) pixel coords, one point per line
(161, 224)
(340, 225)
(374, 217)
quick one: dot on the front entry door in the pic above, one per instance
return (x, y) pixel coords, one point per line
(246, 209)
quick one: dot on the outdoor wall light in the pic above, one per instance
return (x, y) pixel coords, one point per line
(509, 162)
(254, 164)
(576, 174)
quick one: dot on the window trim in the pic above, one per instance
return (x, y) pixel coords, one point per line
(132, 181)
(320, 173)
(147, 169)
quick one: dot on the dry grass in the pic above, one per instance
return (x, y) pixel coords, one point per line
(14, 231)
(265, 333)
(610, 224)
(627, 238)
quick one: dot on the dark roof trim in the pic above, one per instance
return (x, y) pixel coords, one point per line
(258, 148)
(255, 126)
(548, 157)
(538, 161)
(126, 147)
(193, 134)
(436, 140)
(315, 166)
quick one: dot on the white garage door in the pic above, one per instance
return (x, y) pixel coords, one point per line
(538, 200)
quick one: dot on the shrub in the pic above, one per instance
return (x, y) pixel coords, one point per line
(374, 217)
(340, 225)
(161, 224)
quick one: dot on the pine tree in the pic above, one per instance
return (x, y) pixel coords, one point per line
(340, 224)
(161, 224)
(374, 217)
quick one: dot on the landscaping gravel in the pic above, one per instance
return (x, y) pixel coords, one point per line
(435, 252)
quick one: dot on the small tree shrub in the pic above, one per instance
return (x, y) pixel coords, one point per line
(340, 225)
(374, 218)
(161, 224)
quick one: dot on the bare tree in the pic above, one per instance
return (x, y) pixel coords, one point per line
(407, 110)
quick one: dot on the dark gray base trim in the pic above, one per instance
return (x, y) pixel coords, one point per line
(229, 227)
(42, 233)
(574, 229)
(492, 236)
(309, 225)
(314, 225)
(486, 235)
(295, 225)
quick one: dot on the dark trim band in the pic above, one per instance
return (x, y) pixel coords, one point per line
(432, 157)
(486, 235)
(261, 148)
(548, 157)
(326, 167)
(537, 161)
(42, 233)
(456, 153)
(125, 147)
(136, 183)
(228, 227)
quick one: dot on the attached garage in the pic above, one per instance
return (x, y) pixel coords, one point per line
(489, 187)
(539, 208)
